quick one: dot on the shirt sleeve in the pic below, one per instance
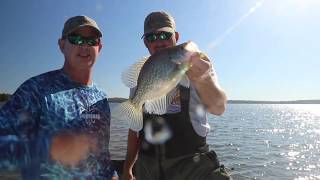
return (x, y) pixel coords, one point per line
(20, 114)
(18, 119)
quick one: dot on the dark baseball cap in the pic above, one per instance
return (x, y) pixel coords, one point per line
(159, 21)
(76, 22)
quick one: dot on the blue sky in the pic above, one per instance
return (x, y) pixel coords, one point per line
(261, 50)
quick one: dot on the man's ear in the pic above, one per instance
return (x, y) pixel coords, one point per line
(61, 43)
(177, 36)
(100, 47)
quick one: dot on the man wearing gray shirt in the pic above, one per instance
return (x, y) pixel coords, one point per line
(185, 155)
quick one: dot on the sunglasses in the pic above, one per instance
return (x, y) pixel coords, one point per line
(79, 40)
(158, 36)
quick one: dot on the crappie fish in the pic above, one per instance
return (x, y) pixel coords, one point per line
(154, 78)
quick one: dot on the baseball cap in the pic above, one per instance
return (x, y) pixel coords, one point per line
(76, 22)
(159, 21)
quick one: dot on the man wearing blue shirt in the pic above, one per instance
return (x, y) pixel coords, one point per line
(57, 124)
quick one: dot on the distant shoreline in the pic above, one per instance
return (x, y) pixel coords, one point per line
(119, 100)
(274, 102)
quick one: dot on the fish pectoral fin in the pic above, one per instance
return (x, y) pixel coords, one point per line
(159, 106)
(132, 113)
(185, 82)
(130, 76)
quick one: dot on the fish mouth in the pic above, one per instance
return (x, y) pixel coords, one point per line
(191, 46)
(187, 49)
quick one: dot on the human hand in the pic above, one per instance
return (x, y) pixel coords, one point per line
(200, 67)
(69, 149)
(115, 178)
(128, 175)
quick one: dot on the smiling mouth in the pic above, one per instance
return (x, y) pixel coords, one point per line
(84, 55)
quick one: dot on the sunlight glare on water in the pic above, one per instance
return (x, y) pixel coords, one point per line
(267, 141)
(258, 141)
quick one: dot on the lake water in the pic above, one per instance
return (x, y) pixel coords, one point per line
(257, 141)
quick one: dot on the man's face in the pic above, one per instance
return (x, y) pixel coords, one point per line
(80, 56)
(158, 44)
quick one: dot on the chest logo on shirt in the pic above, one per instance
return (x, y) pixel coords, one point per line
(91, 115)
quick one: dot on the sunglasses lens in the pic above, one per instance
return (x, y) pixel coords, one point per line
(92, 41)
(77, 40)
(165, 35)
(151, 37)
(161, 36)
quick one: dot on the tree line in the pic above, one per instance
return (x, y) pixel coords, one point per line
(4, 97)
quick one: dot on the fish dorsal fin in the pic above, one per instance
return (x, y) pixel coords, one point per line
(185, 82)
(130, 76)
(159, 106)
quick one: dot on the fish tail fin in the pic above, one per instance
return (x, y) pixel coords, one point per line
(131, 112)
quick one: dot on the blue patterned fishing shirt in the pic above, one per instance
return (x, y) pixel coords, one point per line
(48, 105)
